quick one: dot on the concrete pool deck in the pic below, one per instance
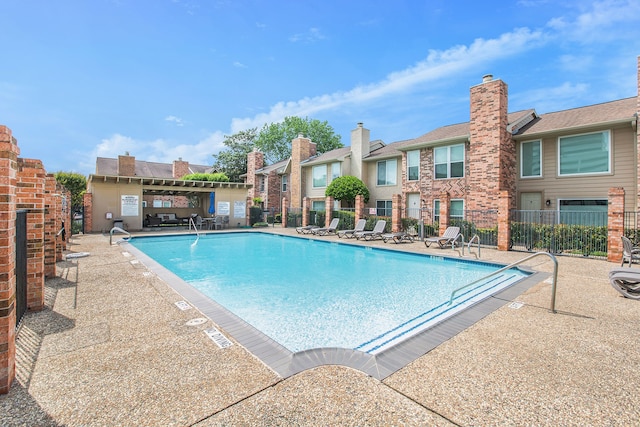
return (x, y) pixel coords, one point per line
(112, 348)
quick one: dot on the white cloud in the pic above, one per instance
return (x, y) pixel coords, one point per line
(238, 64)
(312, 35)
(173, 119)
(437, 65)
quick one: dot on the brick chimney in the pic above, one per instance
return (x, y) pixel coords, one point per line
(255, 161)
(359, 149)
(126, 165)
(301, 149)
(491, 159)
(180, 168)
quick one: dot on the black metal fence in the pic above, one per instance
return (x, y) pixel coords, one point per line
(21, 265)
(483, 224)
(575, 233)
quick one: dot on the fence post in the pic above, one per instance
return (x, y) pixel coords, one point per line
(615, 221)
(285, 212)
(504, 227)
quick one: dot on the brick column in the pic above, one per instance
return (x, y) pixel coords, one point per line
(87, 216)
(305, 211)
(359, 210)
(30, 196)
(504, 226)
(328, 209)
(445, 201)
(396, 212)
(50, 226)
(9, 152)
(285, 212)
(616, 224)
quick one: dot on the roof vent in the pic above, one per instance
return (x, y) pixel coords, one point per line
(487, 78)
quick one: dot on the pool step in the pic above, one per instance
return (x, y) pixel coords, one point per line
(438, 313)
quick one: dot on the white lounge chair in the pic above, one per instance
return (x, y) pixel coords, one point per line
(373, 234)
(629, 251)
(306, 229)
(626, 281)
(350, 233)
(450, 234)
(398, 237)
(331, 229)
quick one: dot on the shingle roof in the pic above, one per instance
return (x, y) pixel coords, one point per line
(591, 115)
(109, 167)
(276, 166)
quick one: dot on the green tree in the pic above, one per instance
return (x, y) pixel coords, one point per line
(215, 177)
(233, 159)
(76, 184)
(346, 188)
(274, 139)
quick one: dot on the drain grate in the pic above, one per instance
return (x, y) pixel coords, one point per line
(218, 338)
(197, 321)
(182, 305)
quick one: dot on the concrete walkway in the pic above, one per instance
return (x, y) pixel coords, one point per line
(112, 348)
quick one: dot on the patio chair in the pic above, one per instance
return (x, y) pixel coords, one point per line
(331, 229)
(350, 233)
(627, 282)
(629, 251)
(398, 237)
(373, 234)
(450, 235)
(306, 229)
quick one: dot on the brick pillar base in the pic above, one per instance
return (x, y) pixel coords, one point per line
(445, 200)
(396, 213)
(616, 224)
(504, 226)
(285, 212)
(305, 211)
(87, 201)
(328, 208)
(359, 210)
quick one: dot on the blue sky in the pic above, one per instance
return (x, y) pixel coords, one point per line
(164, 79)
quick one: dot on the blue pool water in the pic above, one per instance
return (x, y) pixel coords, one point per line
(306, 293)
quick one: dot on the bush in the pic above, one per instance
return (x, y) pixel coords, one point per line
(255, 215)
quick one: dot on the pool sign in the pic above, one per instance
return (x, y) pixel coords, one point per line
(129, 206)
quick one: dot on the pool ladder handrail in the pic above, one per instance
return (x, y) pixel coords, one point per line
(192, 222)
(121, 231)
(513, 264)
(461, 237)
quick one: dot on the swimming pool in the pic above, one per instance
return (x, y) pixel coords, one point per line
(306, 293)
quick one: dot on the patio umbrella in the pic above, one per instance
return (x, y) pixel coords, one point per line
(212, 203)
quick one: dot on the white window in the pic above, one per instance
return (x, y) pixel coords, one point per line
(318, 205)
(383, 207)
(456, 209)
(531, 159)
(319, 176)
(335, 170)
(449, 161)
(144, 203)
(413, 165)
(166, 204)
(589, 153)
(583, 211)
(387, 172)
(436, 210)
(157, 203)
(285, 180)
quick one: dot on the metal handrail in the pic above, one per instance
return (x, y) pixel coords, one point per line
(120, 230)
(475, 237)
(192, 222)
(553, 285)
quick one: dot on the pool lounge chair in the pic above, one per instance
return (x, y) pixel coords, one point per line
(350, 233)
(331, 229)
(626, 281)
(398, 237)
(306, 229)
(450, 234)
(373, 234)
(629, 251)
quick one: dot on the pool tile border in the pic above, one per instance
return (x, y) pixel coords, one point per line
(286, 363)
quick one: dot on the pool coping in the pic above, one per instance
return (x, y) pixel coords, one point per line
(380, 365)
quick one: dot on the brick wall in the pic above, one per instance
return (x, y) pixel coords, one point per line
(87, 201)
(615, 222)
(50, 230)
(30, 196)
(255, 161)
(301, 149)
(8, 169)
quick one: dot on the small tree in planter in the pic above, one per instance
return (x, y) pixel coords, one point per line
(346, 188)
